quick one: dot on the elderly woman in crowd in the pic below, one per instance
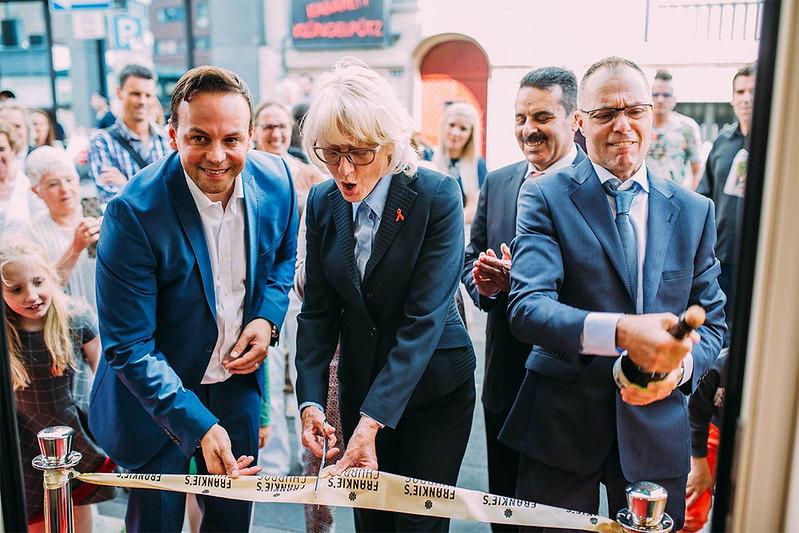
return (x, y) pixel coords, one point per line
(67, 237)
(65, 234)
(458, 153)
(384, 255)
(18, 205)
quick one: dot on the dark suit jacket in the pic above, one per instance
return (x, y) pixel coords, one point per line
(402, 341)
(495, 223)
(567, 261)
(156, 302)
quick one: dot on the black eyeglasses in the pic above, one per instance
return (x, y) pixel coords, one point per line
(270, 127)
(664, 95)
(605, 115)
(357, 156)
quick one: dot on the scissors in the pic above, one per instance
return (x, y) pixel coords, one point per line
(322, 464)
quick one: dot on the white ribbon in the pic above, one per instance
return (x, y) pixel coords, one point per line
(368, 489)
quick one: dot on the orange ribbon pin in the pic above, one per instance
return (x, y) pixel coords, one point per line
(399, 215)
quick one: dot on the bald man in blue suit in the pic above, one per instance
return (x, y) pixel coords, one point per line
(583, 289)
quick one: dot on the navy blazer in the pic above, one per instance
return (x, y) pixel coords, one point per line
(156, 303)
(495, 223)
(567, 261)
(402, 340)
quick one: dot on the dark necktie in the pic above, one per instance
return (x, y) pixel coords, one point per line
(364, 226)
(624, 199)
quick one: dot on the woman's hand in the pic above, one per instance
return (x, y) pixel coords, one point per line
(86, 233)
(361, 451)
(314, 430)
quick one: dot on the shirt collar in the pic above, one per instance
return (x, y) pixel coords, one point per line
(203, 202)
(376, 199)
(127, 132)
(565, 161)
(640, 177)
(736, 131)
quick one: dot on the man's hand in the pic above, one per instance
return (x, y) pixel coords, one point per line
(492, 274)
(361, 452)
(649, 343)
(699, 480)
(655, 391)
(251, 349)
(314, 428)
(111, 175)
(219, 456)
(263, 436)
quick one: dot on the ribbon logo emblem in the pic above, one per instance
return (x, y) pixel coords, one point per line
(399, 215)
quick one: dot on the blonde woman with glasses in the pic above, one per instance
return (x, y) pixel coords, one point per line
(384, 255)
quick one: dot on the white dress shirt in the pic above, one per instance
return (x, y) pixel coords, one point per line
(225, 234)
(565, 161)
(599, 329)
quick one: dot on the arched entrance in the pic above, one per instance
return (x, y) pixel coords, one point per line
(452, 71)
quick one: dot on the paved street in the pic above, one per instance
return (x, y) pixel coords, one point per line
(277, 517)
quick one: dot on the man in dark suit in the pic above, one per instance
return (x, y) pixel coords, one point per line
(384, 256)
(585, 287)
(195, 261)
(545, 108)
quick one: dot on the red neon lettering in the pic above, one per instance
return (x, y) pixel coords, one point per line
(338, 30)
(329, 7)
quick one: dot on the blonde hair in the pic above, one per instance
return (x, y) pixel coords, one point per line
(470, 154)
(56, 332)
(354, 105)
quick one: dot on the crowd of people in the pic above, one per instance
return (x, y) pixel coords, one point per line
(328, 238)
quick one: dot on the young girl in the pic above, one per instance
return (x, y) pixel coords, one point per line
(46, 335)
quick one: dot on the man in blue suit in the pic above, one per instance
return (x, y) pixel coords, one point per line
(585, 287)
(194, 266)
(545, 110)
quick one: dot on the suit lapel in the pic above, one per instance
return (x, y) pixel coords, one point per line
(399, 201)
(192, 225)
(512, 196)
(342, 217)
(663, 213)
(252, 203)
(592, 202)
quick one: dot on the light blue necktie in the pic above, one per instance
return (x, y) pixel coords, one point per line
(364, 226)
(624, 199)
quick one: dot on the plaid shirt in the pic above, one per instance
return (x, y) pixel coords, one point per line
(105, 151)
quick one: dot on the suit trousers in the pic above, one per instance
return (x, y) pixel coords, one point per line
(503, 464)
(235, 402)
(428, 443)
(542, 483)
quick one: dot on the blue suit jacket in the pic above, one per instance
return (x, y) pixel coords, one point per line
(567, 261)
(495, 223)
(156, 303)
(402, 340)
